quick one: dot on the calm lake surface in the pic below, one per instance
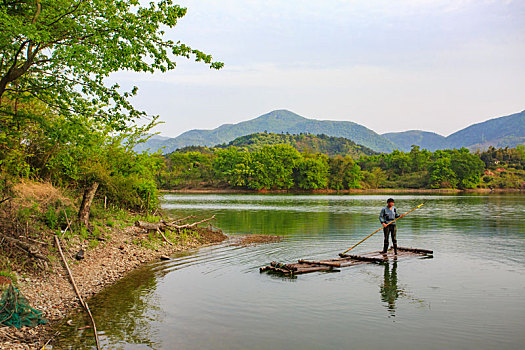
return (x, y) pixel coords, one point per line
(470, 295)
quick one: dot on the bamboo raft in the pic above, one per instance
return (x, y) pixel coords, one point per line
(306, 266)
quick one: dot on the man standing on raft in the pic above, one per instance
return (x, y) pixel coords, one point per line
(389, 214)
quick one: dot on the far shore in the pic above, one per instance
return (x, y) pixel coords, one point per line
(350, 191)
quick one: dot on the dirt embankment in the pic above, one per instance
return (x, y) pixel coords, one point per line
(51, 291)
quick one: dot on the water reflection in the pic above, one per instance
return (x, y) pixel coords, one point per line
(389, 290)
(126, 319)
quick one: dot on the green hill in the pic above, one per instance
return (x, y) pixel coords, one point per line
(280, 121)
(328, 145)
(154, 143)
(508, 131)
(426, 140)
(498, 132)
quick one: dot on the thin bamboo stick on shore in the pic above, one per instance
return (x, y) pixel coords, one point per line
(82, 302)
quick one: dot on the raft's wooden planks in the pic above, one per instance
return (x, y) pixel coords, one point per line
(306, 266)
(311, 268)
(415, 250)
(321, 262)
(365, 258)
(276, 269)
(303, 268)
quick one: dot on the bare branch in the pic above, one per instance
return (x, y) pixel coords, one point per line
(162, 234)
(178, 227)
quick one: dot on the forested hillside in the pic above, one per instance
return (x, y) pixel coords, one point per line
(328, 145)
(281, 166)
(425, 140)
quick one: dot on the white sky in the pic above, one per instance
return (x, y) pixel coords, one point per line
(435, 65)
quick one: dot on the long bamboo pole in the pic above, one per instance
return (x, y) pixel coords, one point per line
(379, 229)
(82, 302)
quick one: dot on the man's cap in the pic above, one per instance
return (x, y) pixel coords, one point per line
(390, 200)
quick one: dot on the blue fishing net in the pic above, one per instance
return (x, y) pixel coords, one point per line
(15, 310)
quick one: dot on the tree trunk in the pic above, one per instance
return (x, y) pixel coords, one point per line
(85, 207)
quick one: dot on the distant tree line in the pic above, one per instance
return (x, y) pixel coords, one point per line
(281, 166)
(270, 167)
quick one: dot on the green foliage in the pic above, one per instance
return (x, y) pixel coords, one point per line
(506, 179)
(441, 174)
(59, 119)
(131, 181)
(418, 158)
(467, 167)
(344, 173)
(494, 158)
(282, 167)
(186, 169)
(328, 145)
(312, 172)
(520, 149)
(9, 274)
(398, 162)
(233, 166)
(51, 218)
(73, 49)
(271, 167)
(440, 169)
(375, 178)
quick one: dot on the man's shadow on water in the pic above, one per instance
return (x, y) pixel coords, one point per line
(388, 289)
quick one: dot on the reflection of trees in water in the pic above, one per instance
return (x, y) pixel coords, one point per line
(285, 222)
(389, 291)
(123, 313)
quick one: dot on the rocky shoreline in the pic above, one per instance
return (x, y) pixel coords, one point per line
(52, 293)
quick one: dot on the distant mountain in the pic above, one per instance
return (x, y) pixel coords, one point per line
(498, 132)
(329, 145)
(424, 139)
(280, 121)
(508, 131)
(154, 143)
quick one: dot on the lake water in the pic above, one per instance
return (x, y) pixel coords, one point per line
(470, 295)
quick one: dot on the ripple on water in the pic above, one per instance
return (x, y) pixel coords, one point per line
(470, 295)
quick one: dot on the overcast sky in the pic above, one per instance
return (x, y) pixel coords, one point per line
(391, 65)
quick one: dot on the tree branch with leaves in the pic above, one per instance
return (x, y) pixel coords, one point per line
(75, 46)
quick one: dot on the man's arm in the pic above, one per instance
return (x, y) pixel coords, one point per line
(382, 217)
